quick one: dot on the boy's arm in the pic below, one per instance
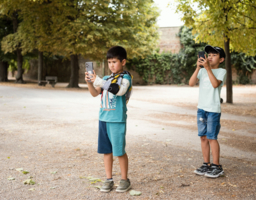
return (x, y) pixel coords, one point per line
(95, 91)
(193, 80)
(123, 87)
(114, 88)
(214, 81)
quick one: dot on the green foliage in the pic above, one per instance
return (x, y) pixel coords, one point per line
(244, 65)
(66, 27)
(167, 68)
(214, 21)
(25, 65)
(5, 29)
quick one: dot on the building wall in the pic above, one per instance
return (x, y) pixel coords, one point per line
(169, 41)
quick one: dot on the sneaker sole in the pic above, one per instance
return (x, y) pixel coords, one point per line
(214, 176)
(105, 190)
(124, 190)
(198, 173)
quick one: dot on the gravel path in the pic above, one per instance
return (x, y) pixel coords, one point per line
(52, 134)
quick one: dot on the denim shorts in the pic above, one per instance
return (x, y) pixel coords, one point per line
(208, 124)
(112, 138)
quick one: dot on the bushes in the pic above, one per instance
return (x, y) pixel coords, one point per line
(167, 68)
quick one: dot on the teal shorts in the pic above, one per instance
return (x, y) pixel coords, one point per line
(112, 138)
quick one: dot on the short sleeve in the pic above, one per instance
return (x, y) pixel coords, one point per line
(222, 76)
(199, 74)
(126, 76)
(105, 77)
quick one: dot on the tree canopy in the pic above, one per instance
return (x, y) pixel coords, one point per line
(87, 27)
(226, 23)
(82, 27)
(216, 20)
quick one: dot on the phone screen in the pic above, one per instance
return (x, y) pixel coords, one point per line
(201, 54)
(89, 67)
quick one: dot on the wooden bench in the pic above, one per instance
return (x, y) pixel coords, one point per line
(50, 80)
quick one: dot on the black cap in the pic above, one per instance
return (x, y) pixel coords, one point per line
(219, 50)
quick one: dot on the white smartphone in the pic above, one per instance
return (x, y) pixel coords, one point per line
(89, 67)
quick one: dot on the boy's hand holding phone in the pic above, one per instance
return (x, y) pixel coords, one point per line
(202, 60)
(90, 74)
(89, 77)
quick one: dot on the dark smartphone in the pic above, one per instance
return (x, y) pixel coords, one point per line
(89, 68)
(201, 54)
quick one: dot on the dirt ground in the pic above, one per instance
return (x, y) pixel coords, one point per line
(52, 134)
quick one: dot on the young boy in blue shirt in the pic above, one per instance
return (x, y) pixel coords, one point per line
(115, 91)
(211, 79)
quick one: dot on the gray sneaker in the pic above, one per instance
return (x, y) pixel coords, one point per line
(107, 186)
(124, 185)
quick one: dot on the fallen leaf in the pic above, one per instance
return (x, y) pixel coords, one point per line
(29, 182)
(95, 180)
(96, 186)
(53, 187)
(31, 189)
(184, 185)
(135, 193)
(25, 172)
(11, 178)
(19, 169)
(82, 177)
(231, 185)
(8, 157)
(54, 172)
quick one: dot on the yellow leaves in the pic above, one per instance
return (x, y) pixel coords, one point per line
(221, 17)
(60, 28)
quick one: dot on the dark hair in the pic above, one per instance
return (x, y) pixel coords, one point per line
(117, 52)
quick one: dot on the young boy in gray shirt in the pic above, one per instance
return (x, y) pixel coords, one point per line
(211, 79)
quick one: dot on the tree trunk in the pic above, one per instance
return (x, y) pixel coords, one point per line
(73, 83)
(40, 66)
(4, 71)
(19, 78)
(229, 82)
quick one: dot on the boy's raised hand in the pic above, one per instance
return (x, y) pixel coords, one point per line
(204, 62)
(90, 78)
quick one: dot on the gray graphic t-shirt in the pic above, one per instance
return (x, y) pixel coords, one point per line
(209, 97)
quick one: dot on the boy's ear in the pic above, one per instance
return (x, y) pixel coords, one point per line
(222, 60)
(123, 62)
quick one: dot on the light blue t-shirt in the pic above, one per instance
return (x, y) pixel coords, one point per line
(113, 108)
(209, 97)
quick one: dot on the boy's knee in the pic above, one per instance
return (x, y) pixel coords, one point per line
(124, 155)
(203, 138)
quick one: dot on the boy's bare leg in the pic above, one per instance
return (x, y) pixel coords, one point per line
(215, 151)
(108, 162)
(205, 149)
(123, 161)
